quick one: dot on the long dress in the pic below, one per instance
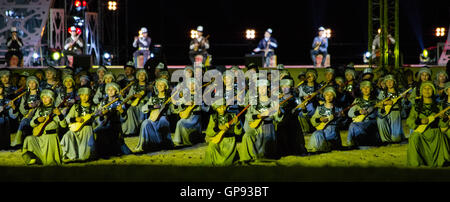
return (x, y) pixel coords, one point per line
(155, 135)
(431, 147)
(109, 140)
(260, 142)
(390, 125)
(132, 124)
(45, 149)
(364, 133)
(6, 115)
(79, 145)
(290, 138)
(188, 131)
(225, 152)
(328, 138)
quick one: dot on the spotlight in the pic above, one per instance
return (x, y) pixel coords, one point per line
(112, 5)
(56, 56)
(424, 59)
(194, 34)
(107, 56)
(440, 31)
(35, 55)
(367, 56)
(328, 33)
(250, 34)
(77, 3)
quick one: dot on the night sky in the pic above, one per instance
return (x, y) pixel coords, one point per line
(294, 26)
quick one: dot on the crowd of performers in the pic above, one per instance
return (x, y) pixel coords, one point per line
(59, 117)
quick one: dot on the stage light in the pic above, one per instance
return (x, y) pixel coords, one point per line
(56, 56)
(35, 55)
(112, 5)
(367, 56)
(84, 4)
(424, 59)
(379, 30)
(440, 31)
(328, 33)
(425, 53)
(77, 3)
(250, 34)
(107, 56)
(194, 34)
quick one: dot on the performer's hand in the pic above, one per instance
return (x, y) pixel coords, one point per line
(56, 111)
(424, 121)
(136, 38)
(79, 119)
(120, 109)
(388, 102)
(324, 119)
(13, 106)
(41, 119)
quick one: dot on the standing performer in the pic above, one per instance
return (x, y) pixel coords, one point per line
(199, 46)
(320, 46)
(73, 46)
(142, 43)
(429, 147)
(14, 44)
(268, 46)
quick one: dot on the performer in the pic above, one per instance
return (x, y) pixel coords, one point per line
(259, 141)
(100, 93)
(268, 46)
(129, 70)
(29, 103)
(80, 145)
(320, 46)
(9, 88)
(376, 46)
(199, 46)
(305, 90)
(45, 149)
(74, 44)
(328, 138)
(109, 140)
(6, 115)
(155, 134)
(225, 152)
(363, 132)
(142, 43)
(430, 147)
(390, 125)
(14, 44)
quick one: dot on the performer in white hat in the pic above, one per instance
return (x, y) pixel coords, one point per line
(14, 44)
(142, 43)
(268, 46)
(320, 46)
(199, 46)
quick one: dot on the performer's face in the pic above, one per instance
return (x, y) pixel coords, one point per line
(46, 100)
(129, 71)
(228, 80)
(424, 76)
(70, 60)
(442, 78)
(141, 77)
(349, 77)
(221, 109)
(427, 91)
(390, 83)
(366, 90)
(100, 74)
(321, 33)
(108, 80)
(160, 86)
(310, 77)
(84, 98)
(74, 34)
(5, 79)
(14, 61)
(49, 75)
(68, 83)
(111, 91)
(329, 76)
(285, 89)
(32, 85)
(262, 90)
(329, 97)
(266, 35)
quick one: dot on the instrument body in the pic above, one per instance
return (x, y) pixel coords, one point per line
(155, 114)
(362, 117)
(388, 108)
(330, 118)
(255, 123)
(39, 129)
(421, 128)
(219, 136)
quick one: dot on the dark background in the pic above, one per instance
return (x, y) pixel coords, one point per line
(294, 25)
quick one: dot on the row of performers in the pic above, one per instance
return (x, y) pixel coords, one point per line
(93, 124)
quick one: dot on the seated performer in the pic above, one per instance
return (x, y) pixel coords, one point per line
(363, 130)
(80, 145)
(29, 103)
(142, 43)
(6, 81)
(199, 46)
(155, 131)
(100, 93)
(268, 46)
(259, 141)
(45, 149)
(306, 90)
(429, 147)
(320, 46)
(109, 140)
(326, 119)
(224, 152)
(7, 113)
(390, 124)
